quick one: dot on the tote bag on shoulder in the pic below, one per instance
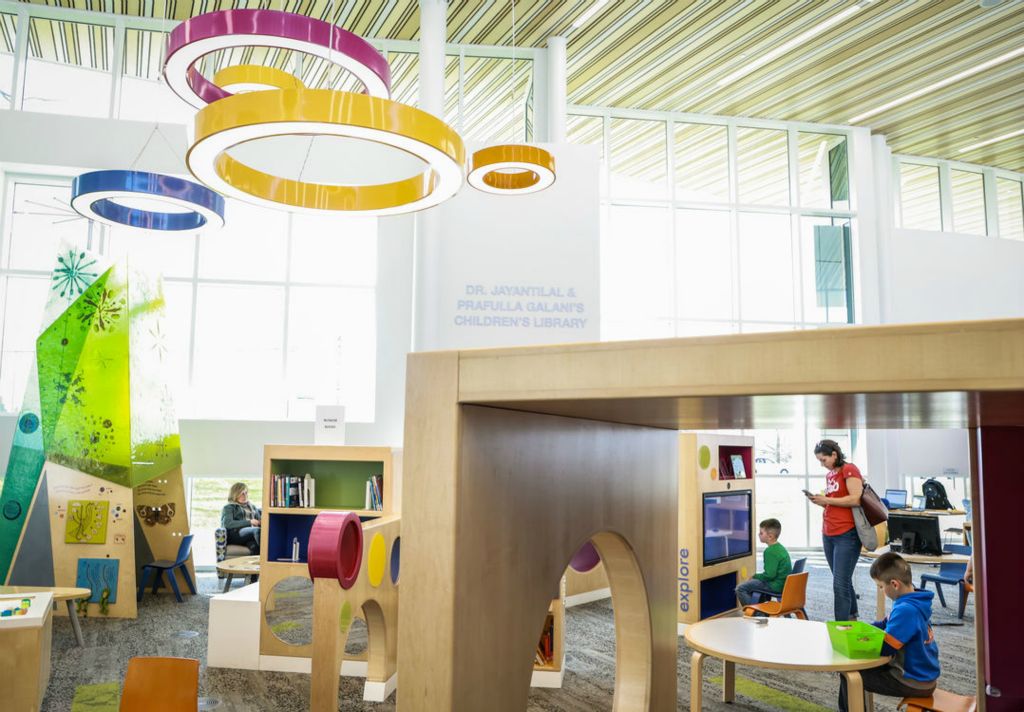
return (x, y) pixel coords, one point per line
(874, 511)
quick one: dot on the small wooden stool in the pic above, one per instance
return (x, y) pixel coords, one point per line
(161, 685)
(940, 701)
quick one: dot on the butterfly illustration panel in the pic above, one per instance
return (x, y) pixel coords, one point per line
(151, 516)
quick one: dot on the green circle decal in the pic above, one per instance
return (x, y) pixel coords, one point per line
(704, 457)
(345, 619)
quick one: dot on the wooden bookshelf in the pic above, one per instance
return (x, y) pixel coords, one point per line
(708, 569)
(340, 472)
(550, 672)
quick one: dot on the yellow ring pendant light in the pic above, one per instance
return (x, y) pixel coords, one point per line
(254, 77)
(324, 112)
(511, 169)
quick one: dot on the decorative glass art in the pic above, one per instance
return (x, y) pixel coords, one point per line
(97, 400)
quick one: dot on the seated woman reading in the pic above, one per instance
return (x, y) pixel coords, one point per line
(241, 518)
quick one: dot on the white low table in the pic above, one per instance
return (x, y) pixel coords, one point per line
(25, 651)
(777, 644)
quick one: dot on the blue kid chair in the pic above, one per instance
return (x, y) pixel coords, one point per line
(161, 566)
(952, 575)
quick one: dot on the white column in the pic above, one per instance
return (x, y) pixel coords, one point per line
(427, 241)
(557, 78)
(433, 34)
(20, 59)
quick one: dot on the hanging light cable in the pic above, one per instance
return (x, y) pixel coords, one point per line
(512, 168)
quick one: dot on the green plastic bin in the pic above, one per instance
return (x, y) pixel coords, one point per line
(855, 640)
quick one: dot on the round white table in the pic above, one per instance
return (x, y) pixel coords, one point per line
(247, 566)
(778, 644)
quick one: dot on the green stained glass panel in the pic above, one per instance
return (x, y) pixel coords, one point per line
(84, 382)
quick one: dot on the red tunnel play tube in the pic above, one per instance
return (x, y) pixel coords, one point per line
(336, 547)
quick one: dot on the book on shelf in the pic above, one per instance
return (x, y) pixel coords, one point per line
(545, 654)
(293, 491)
(739, 470)
(374, 498)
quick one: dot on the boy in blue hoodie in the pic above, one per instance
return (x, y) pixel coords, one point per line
(914, 668)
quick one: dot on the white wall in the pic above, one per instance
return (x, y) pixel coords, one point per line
(514, 270)
(941, 276)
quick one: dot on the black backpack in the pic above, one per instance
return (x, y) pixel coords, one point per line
(935, 495)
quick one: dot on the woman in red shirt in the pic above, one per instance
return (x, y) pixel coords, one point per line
(843, 488)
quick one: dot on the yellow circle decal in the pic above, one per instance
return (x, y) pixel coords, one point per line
(377, 560)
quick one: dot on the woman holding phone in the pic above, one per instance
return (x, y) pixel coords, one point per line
(843, 488)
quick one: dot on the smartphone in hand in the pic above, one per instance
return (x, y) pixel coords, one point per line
(807, 493)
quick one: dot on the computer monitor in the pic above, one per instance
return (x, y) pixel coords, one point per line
(920, 503)
(727, 526)
(897, 498)
(916, 533)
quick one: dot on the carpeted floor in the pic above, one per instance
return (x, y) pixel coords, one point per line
(87, 679)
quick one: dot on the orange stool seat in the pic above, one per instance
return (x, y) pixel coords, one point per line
(161, 685)
(940, 701)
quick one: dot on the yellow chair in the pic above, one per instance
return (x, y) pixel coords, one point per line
(161, 685)
(940, 701)
(794, 598)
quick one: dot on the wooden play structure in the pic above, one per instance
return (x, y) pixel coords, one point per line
(515, 457)
(355, 568)
(340, 474)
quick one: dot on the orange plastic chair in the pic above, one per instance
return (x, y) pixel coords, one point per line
(161, 685)
(794, 598)
(940, 701)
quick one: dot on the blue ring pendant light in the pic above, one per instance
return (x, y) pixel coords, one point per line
(94, 195)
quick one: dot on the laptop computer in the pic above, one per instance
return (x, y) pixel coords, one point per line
(919, 501)
(897, 498)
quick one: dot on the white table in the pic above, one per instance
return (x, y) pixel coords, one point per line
(68, 594)
(248, 566)
(778, 644)
(25, 651)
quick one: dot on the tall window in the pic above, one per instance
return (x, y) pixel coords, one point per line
(920, 204)
(1010, 197)
(729, 234)
(8, 26)
(265, 318)
(716, 227)
(957, 197)
(68, 68)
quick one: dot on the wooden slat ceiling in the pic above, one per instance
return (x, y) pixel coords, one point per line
(671, 55)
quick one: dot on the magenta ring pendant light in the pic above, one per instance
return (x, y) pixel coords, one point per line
(229, 29)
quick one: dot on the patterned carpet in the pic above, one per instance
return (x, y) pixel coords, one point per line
(87, 679)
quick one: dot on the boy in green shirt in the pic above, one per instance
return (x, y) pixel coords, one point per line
(777, 565)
